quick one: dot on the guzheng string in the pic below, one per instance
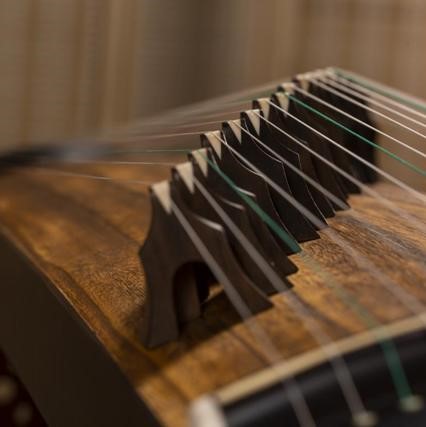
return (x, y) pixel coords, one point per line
(389, 350)
(56, 172)
(210, 108)
(388, 98)
(363, 415)
(371, 93)
(344, 96)
(329, 79)
(408, 300)
(304, 314)
(206, 116)
(187, 125)
(355, 119)
(358, 412)
(381, 172)
(399, 378)
(204, 109)
(378, 87)
(345, 174)
(273, 356)
(43, 166)
(118, 162)
(356, 134)
(331, 87)
(360, 415)
(390, 205)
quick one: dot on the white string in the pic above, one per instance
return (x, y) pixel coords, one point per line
(98, 177)
(107, 162)
(385, 88)
(321, 101)
(386, 175)
(353, 101)
(329, 79)
(139, 131)
(200, 109)
(339, 365)
(410, 302)
(371, 93)
(270, 352)
(56, 172)
(390, 205)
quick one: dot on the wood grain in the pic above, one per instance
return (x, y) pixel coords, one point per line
(84, 235)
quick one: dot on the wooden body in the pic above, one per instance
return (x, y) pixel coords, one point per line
(83, 235)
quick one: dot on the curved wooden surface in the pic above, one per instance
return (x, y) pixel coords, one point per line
(84, 236)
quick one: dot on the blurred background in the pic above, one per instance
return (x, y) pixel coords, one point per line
(72, 67)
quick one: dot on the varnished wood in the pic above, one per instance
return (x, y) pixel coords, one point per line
(84, 235)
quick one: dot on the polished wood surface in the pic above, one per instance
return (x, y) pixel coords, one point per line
(84, 235)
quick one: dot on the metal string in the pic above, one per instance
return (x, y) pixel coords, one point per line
(330, 79)
(353, 254)
(390, 352)
(139, 181)
(339, 365)
(136, 181)
(355, 119)
(389, 204)
(358, 87)
(381, 172)
(113, 162)
(272, 355)
(56, 172)
(353, 101)
(333, 85)
(360, 137)
(201, 109)
(392, 206)
(410, 302)
(388, 91)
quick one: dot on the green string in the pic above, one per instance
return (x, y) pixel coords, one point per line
(362, 138)
(388, 347)
(359, 80)
(285, 237)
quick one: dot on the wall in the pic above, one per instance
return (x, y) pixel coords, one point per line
(69, 67)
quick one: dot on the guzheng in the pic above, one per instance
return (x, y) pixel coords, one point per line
(250, 261)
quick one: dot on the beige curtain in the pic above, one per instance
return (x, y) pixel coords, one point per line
(70, 67)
